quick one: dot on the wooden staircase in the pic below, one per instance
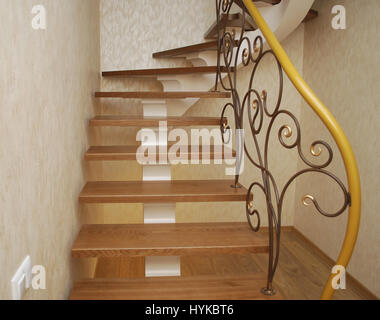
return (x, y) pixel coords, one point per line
(162, 71)
(166, 239)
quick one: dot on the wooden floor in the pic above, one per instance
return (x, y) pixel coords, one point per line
(241, 287)
(301, 274)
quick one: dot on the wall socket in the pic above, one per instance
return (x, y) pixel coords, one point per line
(22, 279)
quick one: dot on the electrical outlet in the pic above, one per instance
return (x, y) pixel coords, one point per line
(22, 279)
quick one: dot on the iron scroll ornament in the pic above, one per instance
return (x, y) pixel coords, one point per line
(255, 104)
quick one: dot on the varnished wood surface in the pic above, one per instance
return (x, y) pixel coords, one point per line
(206, 46)
(243, 287)
(168, 240)
(199, 47)
(111, 153)
(162, 71)
(119, 153)
(234, 20)
(301, 275)
(352, 283)
(139, 121)
(161, 191)
(163, 95)
(120, 267)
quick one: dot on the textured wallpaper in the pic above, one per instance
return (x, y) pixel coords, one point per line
(342, 66)
(132, 30)
(47, 79)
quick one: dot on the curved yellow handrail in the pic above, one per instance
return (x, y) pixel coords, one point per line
(336, 131)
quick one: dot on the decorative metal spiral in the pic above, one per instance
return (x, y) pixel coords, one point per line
(232, 53)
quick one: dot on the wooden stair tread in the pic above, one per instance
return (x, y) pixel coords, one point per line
(110, 153)
(232, 287)
(140, 121)
(232, 20)
(175, 239)
(162, 71)
(164, 95)
(177, 52)
(161, 191)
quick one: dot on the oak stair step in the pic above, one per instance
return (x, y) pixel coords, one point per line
(118, 153)
(179, 52)
(164, 95)
(226, 287)
(234, 20)
(163, 71)
(140, 121)
(161, 191)
(174, 239)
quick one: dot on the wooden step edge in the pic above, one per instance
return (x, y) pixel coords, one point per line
(139, 121)
(164, 71)
(164, 95)
(162, 191)
(131, 153)
(199, 47)
(234, 20)
(179, 239)
(209, 45)
(226, 287)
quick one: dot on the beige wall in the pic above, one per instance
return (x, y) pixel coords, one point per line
(132, 30)
(343, 68)
(46, 84)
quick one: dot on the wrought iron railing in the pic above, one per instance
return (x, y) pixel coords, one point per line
(235, 50)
